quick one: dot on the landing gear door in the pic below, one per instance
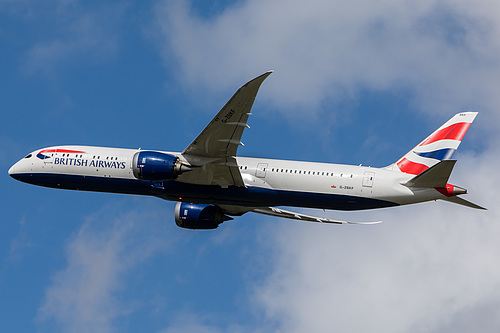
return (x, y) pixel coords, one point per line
(368, 179)
(261, 170)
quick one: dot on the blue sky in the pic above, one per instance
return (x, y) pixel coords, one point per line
(358, 82)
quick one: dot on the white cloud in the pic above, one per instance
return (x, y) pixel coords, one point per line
(442, 52)
(85, 295)
(427, 268)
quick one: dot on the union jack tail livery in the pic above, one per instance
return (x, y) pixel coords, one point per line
(439, 146)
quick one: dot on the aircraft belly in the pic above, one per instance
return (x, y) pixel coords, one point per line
(87, 183)
(265, 197)
(251, 196)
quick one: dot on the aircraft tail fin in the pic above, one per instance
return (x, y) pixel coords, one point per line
(439, 146)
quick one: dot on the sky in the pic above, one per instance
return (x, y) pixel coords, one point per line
(358, 82)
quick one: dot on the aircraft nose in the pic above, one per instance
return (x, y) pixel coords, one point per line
(12, 170)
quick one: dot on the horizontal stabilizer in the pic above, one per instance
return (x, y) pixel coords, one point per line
(463, 202)
(272, 211)
(436, 176)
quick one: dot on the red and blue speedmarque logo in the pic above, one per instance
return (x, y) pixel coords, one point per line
(77, 161)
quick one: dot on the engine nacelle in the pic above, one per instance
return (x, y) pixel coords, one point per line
(153, 165)
(199, 216)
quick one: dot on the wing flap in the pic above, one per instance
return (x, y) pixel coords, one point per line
(223, 172)
(278, 212)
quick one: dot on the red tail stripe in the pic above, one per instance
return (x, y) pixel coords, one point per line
(410, 167)
(452, 132)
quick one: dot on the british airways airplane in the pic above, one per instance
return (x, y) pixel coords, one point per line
(210, 183)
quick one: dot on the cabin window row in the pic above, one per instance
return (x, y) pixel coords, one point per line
(304, 172)
(112, 158)
(308, 172)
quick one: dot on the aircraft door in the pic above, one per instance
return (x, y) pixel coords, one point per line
(368, 179)
(261, 170)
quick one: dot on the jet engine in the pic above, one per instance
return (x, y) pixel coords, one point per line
(199, 216)
(153, 165)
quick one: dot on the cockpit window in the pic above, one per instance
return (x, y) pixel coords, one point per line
(28, 156)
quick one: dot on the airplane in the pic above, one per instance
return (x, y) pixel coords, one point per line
(211, 184)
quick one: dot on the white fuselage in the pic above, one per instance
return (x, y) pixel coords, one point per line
(283, 182)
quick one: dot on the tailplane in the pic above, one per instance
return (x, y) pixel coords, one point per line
(439, 146)
(437, 177)
(463, 202)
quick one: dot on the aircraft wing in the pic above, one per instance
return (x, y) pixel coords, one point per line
(272, 211)
(214, 149)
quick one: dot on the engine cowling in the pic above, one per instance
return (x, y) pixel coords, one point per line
(154, 165)
(199, 216)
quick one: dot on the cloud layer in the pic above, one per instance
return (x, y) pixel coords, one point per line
(423, 271)
(88, 294)
(442, 52)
